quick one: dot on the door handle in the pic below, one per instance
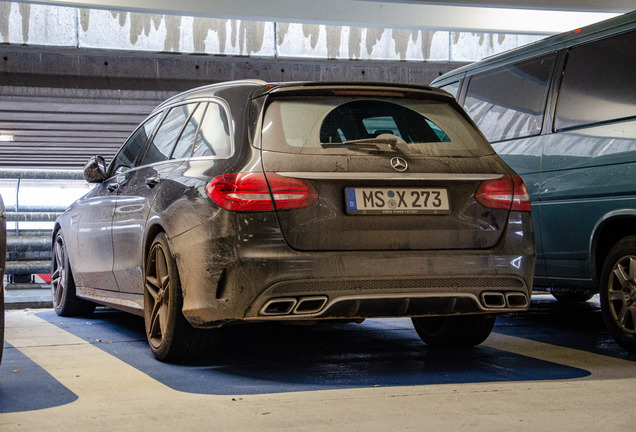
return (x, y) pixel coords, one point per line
(112, 187)
(152, 181)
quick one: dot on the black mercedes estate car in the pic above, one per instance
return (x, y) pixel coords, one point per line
(248, 202)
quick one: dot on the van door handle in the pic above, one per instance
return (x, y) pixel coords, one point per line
(112, 187)
(152, 181)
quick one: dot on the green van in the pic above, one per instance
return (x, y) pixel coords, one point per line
(562, 113)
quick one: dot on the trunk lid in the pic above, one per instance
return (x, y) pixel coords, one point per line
(390, 173)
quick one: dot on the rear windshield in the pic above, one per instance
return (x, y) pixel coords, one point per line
(333, 125)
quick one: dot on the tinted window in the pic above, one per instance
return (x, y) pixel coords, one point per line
(509, 102)
(323, 125)
(370, 118)
(184, 146)
(127, 155)
(161, 147)
(598, 82)
(214, 136)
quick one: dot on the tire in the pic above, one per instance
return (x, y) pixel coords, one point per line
(618, 292)
(454, 331)
(65, 301)
(170, 336)
(572, 296)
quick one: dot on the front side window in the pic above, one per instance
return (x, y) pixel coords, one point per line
(598, 83)
(335, 125)
(509, 102)
(129, 152)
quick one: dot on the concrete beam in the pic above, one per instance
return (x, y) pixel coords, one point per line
(124, 70)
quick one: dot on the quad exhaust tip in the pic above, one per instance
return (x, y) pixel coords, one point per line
(310, 305)
(314, 304)
(497, 300)
(493, 299)
(294, 306)
(516, 300)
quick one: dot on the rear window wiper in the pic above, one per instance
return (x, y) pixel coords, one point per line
(371, 142)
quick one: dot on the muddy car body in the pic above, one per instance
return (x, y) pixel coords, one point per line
(283, 205)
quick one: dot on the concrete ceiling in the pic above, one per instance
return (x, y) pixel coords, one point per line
(499, 16)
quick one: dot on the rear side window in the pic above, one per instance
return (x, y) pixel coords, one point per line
(161, 147)
(509, 102)
(214, 138)
(335, 125)
(599, 83)
(183, 149)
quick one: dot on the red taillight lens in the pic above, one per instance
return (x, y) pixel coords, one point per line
(250, 192)
(507, 193)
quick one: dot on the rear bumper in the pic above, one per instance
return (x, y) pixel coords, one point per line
(362, 298)
(263, 279)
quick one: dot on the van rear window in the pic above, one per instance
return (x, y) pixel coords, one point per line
(509, 102)
(598, 83)
(333, 125)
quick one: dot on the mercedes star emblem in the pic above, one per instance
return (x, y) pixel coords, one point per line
(399, 164)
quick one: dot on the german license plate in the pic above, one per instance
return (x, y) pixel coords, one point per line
(396, 201)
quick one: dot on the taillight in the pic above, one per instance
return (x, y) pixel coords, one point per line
(250, 192)
(507, 193)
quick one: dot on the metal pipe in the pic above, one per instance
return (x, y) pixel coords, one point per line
(32, 216)
(36, 208)
(28, 243)
(25, 286)
(38, 245)
(28, 267)
(44, 174)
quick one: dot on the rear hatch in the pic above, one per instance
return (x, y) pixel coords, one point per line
(392, 169)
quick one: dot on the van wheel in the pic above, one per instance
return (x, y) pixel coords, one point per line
(65, 301)
(454, 331)
(170, 336)
(618, 292)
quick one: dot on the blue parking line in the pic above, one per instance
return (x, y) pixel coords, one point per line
(271, 358)
(25, 386)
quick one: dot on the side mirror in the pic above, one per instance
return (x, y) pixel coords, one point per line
(95, 170)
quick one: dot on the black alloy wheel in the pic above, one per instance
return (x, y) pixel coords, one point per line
(65, 300)
(170, 336)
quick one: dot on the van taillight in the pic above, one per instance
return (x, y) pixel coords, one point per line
(250, 192)
(507, 193)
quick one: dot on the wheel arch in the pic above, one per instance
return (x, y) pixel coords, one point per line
(151, 232)
(609, 230)
(56, 228)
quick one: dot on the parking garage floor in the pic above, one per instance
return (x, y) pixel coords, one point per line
(553, 368)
